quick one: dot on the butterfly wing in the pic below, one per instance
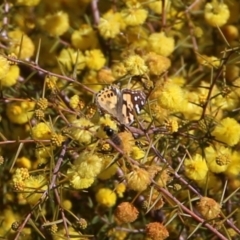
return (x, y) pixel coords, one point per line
(107, 100)
(132, 101)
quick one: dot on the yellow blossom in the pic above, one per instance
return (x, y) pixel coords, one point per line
(109, 169)
(134, 15)
(67, 204)
(43, 153)
(57, 139)
(120, 189)
(233, 169)
(209, 61)
(34, 187)
(157, 64)
(127, 142)
(18, 178)
(218, 158)
(74, 101)
(56, 24)
(116, 233)
(230, 32)
(232, 73)
(21, 45)
(24, 162)
(170, 96)
(110, 25)
(227, 131)
(156, 6)
(135, 65)
(191, 109)
(95, 59)
(79, 130)
(41, 131)
(171, 125)
(90, 78)
(119, 70)
(105, 75)
(209, 208)
(20, 112)
(88, 165)
(161, 44)
(78, 182)
(59, 234)
(137, 153)
(9, 216)
(106, 197)
(29, 3)
(70, 58)
(84, 170)
(216, 13)
(84, 38)
(196, 168)
(42, 103)
(138, 179)
(4, 68)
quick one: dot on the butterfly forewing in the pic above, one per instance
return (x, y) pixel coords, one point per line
(107, 100)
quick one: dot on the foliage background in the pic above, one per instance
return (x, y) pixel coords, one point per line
(174, 173)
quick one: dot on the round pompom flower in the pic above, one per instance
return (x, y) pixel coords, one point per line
(110, 25)
(233, 170)
(209, 208)
(83, 171)
(88, 165)
(95, 59)
(84, 38)
(216, 13)
(29, 3)
(134, 15)
(106, 197)
(218, 158)
(135, 65)
(196, 168)
(161, 44)
(80, 183)
(21, 45)
(70, 58)
(20, 112)
(138, 180)
(171, 96)
(126, 212)
(157, 64)
(79, 130)
(41, 131)
(230, 32)
(227, 131)
(11, 77)
(156, 231)
(33, 188)
(4, 69)
(56, 24)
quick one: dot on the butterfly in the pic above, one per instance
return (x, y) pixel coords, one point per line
(121, 104)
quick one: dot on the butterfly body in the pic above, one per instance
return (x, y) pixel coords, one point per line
(121, 104)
